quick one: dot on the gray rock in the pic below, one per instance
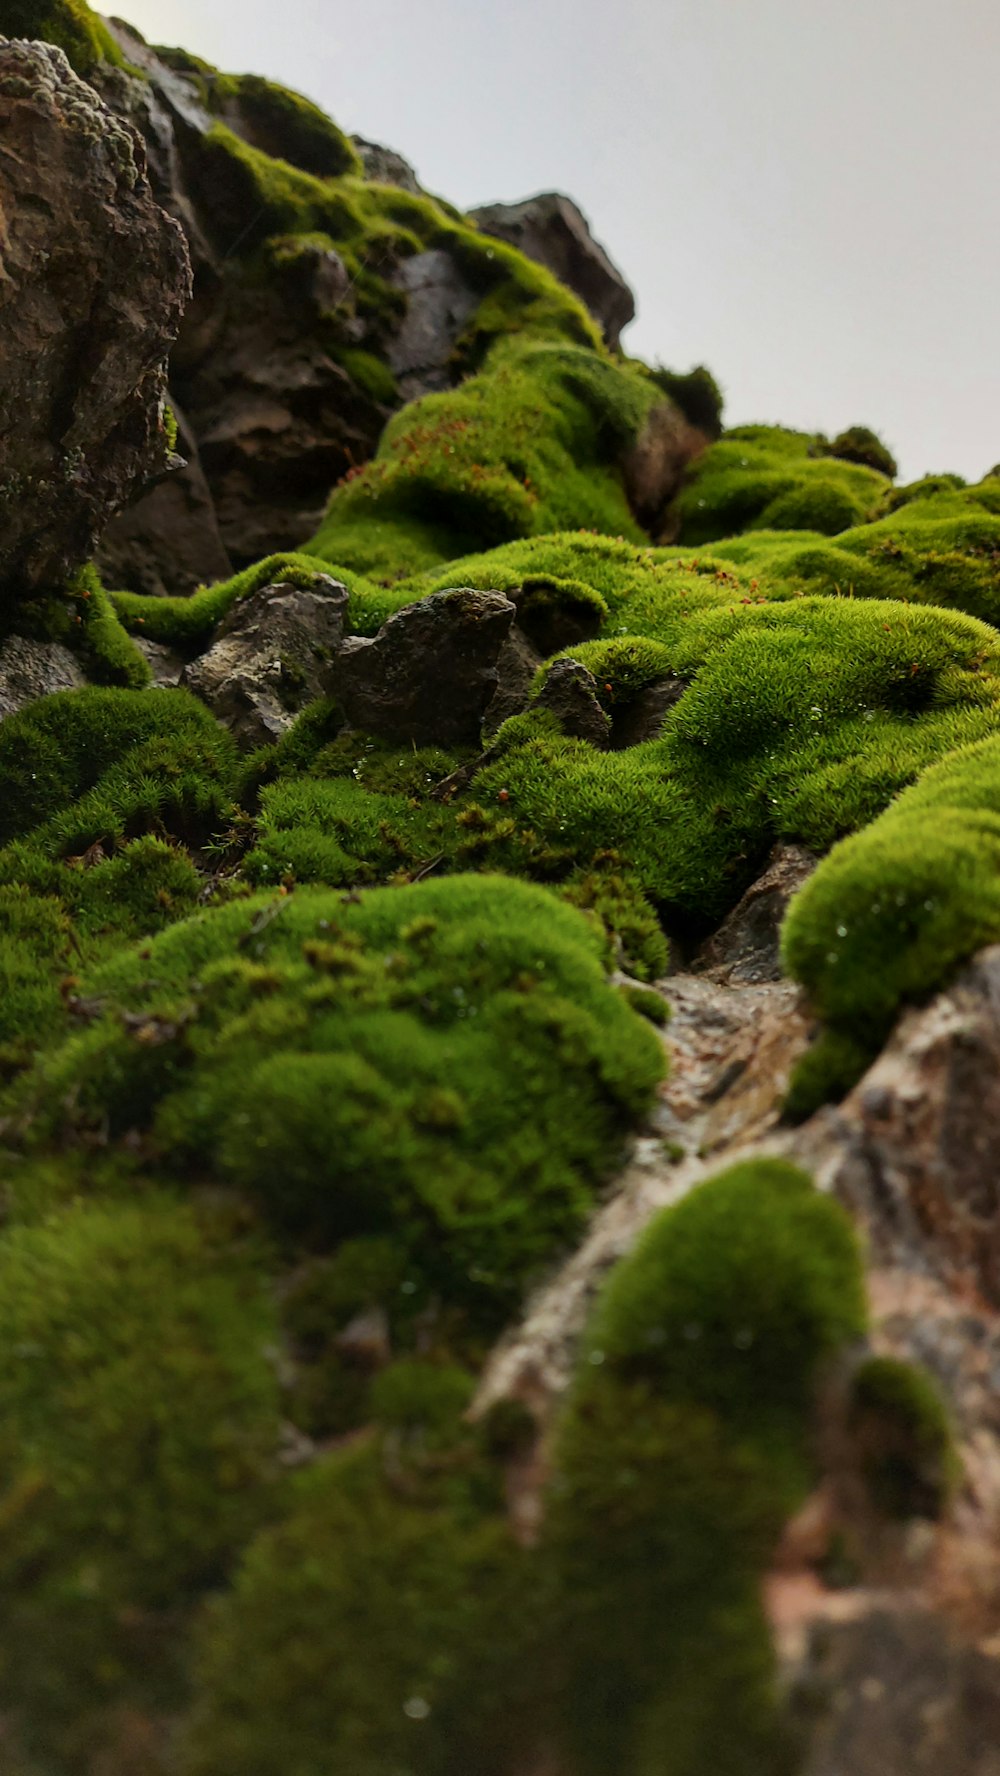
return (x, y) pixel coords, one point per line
(430, 674)
(745, 948)
(439, 303)
(272, 654)
(552, 229)
(167, 541)
(383, 166)
(570, 694)
(95, 279)
(30, 669)
(517, 663)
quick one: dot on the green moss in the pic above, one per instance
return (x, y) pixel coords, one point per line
(859, 444)
(684, 1446)
(648, 1004)
(904, 1437)
(762, 478)
(140, 1430)
(453, 1045)
(372, 1632)
(188, 622)
(285, 125)
(70, 24)
(696, 393)
(480, 464)
(892, 911)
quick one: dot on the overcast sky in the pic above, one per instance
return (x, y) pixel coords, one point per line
(802, 193)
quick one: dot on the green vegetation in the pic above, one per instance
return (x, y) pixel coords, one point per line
(452, 1044)
(904, 1437)
(281, 123)
(892, 911)
(684, 1445)
(764, 478)
(70, 24)
(138, 1451)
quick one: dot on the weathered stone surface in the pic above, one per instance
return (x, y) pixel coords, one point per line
(570, 694)
(431, 671)
(94, 280)
(746, 946)
(167, 541)
(383, 166)
(913, 1148)
(894, 1694)
(642, 718)
(551, 229)
(654, 467)
(517, 663)
(439, 303)
(273, 653)
(30, 669)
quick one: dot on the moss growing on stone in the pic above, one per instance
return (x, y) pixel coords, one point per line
(70, 24)
(859, 444)
(893, 910)
(904, 1437)
(283, 124)
(531, 444)
(684, 1446)
(442, 1063)
(763, 478)
(138, 1451)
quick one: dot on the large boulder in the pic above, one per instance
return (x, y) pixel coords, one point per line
(552, 229)
(93, 282)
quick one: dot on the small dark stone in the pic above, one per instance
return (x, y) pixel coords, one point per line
(430, 674)
(570, 694)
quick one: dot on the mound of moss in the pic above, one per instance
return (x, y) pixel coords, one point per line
(765, 478)
(532, 444)
(138, 1451)
(70, 24)
(893, 911)
(442, 1063)
(685, 1444)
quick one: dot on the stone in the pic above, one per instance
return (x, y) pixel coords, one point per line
(653, 469)
(272, 655)
(94, 277)
(745, 948)
(30, 669)
(570, 694)
(439, 303)
(383, 166)
(552, 230)
(517, 664)
(430, 673)
(643, 716)
(167, 541)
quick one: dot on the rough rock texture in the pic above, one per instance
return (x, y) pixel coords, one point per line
(439, 303)
(94, 281)
(168, 541)
(517, 663)
(30, 669)
(431, 671)
(570, 694)
(655, 465)
(273, 654)
(745, 947)
(643, 717)
(551, 229)
(385, 166)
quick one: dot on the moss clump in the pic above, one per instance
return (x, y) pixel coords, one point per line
(763, 478)
(373, 1630)
(443, 1064)
(684, 1446)
(892, 911)
(188, 623)
(140, 1430)
(531, 444)
(904, 1437)
(70, 24)
(283, 124)
(696, 393)
(859, 444)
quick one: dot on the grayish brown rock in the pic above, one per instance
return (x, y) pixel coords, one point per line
(167, 541)
(570, 694)
(430, 674)
(517, 663)
(746, 946)
(654, 467)
(93, 281)
(643, 716)
(273, 654)
(439, 303)
(383, 166)
(552, 230)
(30, 669)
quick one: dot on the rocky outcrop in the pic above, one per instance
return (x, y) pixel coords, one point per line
(430, 674)
(551, 229)
(439, 303)
(272, 654)
(385, 167)
(94, 281)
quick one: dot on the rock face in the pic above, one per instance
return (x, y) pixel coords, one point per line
(272, 655)
(385, 166)
(430, 674)
(570, 694)
(552, 230)
(439, 302)
(744, 950)
(94, 281)
(30, 669)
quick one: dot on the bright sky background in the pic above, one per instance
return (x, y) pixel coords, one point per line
(802, 193)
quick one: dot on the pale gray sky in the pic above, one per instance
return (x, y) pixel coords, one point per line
(801, 192)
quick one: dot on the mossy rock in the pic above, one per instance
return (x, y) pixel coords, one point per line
(443, 1064)
(905, 1439)
(70, 24)
(765, 478)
